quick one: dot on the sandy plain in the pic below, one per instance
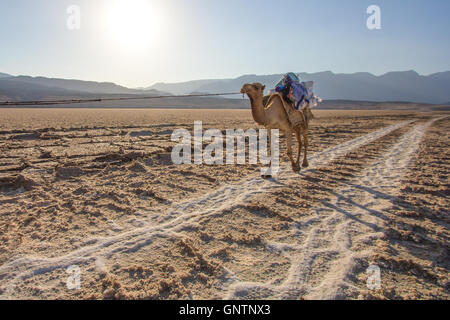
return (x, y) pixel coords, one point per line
(96, 189)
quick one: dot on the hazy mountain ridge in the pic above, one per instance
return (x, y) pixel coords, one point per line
(77, 85)
(27, 88)
(16, 90)
(183, 87)
(392, 86)
(340, 91)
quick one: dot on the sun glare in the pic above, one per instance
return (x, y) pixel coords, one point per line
(132, 23)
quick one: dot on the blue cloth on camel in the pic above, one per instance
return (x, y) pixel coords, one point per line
(299, 92)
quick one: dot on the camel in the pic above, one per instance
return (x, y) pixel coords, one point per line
(274, 116)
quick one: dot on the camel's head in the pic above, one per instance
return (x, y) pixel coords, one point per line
(253, 89)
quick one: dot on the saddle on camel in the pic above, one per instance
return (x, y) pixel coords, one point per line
(295, 95)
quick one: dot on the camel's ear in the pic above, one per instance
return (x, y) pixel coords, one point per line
(263, 87)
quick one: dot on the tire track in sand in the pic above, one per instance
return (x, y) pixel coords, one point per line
(180, 216)
(340, 243)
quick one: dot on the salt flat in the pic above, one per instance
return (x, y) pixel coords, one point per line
(96, 188)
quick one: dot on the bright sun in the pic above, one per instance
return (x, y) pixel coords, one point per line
(132, 23)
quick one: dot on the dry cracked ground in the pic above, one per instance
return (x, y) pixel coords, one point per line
(96, 189)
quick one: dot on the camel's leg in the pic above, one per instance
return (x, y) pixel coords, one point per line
(305, 163)
(269, 153)
(288, 134)
(269, 145)
(299, 141)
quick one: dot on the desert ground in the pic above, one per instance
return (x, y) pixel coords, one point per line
(96, 189)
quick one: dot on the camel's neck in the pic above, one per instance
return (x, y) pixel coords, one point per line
(258, 110)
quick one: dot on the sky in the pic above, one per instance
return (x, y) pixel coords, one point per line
(137, 43)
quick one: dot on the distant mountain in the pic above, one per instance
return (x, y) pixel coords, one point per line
(14, 90)
(27, 88)
(392, 86)
(183, 87)
(441, 75)
(77, 85)
(340, 91)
